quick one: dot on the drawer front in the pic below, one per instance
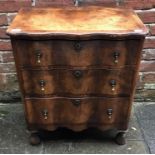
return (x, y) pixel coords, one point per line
(64, 82)
(108, 53)
(67, 111)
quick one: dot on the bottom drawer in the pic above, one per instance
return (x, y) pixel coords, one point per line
(75, 111)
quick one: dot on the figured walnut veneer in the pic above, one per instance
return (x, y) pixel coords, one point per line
(76, 21)
(77, 67)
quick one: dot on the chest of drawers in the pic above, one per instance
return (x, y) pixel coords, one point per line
(77, 67)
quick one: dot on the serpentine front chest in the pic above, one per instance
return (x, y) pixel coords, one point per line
(77, 66)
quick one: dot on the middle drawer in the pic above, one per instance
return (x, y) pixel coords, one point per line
(64, 82)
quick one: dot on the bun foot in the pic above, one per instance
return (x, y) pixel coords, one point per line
(35, 139)
(120, 138)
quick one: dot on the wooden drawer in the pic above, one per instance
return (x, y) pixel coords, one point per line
(65, 82)
(66, 111)
(109, 53)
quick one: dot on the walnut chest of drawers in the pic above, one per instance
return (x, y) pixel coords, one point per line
(77, 66)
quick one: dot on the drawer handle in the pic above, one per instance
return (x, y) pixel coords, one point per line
(77, 46)
(38, 56)
(45, 113)
(113, 85)
(78, 74)
(42, 84)
(116, 55)
(109, 113)
(76, 102)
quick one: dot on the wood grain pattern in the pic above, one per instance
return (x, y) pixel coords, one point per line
(91, 54)
(63, 82)
(63, 113)
(77, 67)
(76, 20)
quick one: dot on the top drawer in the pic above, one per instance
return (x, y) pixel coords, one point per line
(99, 53)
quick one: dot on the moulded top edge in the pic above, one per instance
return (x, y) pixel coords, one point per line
(76, 21)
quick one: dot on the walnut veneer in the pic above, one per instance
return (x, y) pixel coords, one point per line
(77, 67)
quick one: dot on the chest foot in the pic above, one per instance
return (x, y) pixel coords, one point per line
(34, 138)
(120, 138)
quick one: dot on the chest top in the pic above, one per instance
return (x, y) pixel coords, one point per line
(76, 21)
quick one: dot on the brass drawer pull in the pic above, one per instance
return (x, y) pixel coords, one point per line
(113, 85)
(109, 113)
(78, 73)
(42, 84)
(76, 102)
(77, 46)
(45, 113)
(116, 55)
(38, 56)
